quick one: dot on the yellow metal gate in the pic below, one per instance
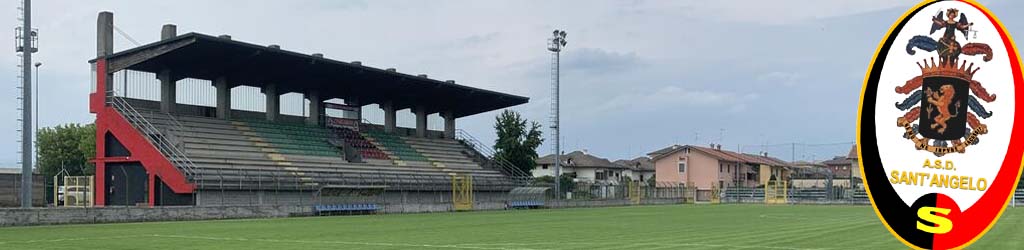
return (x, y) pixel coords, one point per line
(716, 194)
(462, 192)
(635, 192)
(776, 192)
(76, 191)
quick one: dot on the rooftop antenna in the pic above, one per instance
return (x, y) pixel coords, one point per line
(555, 45)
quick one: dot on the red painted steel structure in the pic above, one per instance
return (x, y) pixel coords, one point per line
(110, 121)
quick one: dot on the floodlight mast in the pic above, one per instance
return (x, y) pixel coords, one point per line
(555, 45)
(27, 47)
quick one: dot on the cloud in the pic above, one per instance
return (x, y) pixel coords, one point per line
(599, 61)
(672, 97)
(786, 11)
(680, 58)
(787, 79)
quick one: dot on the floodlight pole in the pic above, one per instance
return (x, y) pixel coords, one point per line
(556, 44)
(27, 49)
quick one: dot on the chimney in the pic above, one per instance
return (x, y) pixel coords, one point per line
(168, 31)
(450, 81)
(318, 55)
(105, 34)
(225, 36)
(718, 147)
(357, 62)
(274, 46)
(422, 75)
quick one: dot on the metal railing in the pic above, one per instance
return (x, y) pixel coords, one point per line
(169, 149)
(519, 176)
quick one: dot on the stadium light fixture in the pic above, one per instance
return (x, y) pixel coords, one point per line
(555, 45)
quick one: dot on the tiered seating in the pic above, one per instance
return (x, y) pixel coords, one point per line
(445, 152)
(295, 139)
(366, 149)
(395, 145)
(230, 156)
(744, 194)
(808, 194)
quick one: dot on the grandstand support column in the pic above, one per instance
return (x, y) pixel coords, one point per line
(354, 101)
(449, 124)
(105, 44)
(168, 91)
(316, 107)
(421, 121)
(389, 116)
(223, 97)
(273, 101)
(168, 88)
(168, 31)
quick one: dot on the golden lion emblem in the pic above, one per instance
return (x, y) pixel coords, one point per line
(942, 99)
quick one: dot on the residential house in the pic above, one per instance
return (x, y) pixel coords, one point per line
(583, 167)
(707, 167)
(638, 169)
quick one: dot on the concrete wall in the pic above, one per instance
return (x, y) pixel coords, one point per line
(53, 216)
(10, 190)
(49, 216)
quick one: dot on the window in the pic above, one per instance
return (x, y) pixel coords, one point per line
(600, 175)
(545, 167)
(682, 166)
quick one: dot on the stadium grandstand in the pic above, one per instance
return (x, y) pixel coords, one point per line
(195, 119)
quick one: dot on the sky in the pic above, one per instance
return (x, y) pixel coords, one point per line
(777, 76)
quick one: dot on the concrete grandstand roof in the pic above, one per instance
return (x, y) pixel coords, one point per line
(200, 56)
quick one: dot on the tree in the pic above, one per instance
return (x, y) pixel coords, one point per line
(68, 147)
(516, 143)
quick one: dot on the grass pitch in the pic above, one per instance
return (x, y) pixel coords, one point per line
(645, 227)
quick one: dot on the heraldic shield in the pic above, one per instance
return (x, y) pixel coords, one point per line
(944, 115)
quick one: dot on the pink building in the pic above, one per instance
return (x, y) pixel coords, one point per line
(705, 167)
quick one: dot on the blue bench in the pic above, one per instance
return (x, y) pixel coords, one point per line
(525, 204)
(321, 209)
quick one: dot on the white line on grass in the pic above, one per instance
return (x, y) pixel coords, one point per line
(646, 244)
(70, 239)
(334, 242)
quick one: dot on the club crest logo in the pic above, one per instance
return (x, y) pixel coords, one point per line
(942, 176)
(943, 99)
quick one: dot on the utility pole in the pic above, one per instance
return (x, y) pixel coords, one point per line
(27, 47)
(555, 45)
(792, 152)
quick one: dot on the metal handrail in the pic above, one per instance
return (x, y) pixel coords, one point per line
(168, 149)
(504, 165)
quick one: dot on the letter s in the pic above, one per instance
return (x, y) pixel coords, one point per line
(931, 214)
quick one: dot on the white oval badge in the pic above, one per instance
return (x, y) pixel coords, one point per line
(940, 129)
